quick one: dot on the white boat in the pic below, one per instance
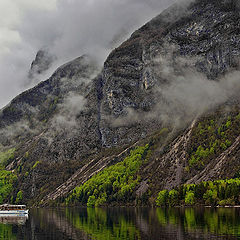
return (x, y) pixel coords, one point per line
(13, 209)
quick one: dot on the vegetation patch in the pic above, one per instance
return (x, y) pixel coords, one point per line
(213, 135)
(219, 192)
(35, 164)
(19, 197)
(115, 183)
(7, 180)
(6, 156)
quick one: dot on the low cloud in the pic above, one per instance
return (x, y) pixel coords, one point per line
(181, 93)
(68, 111)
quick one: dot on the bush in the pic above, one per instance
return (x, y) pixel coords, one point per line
(189, 198)
(7, 179)
(227, 202)
(19, 197)
(173, 198)
(91, 201)
(6, 156)
(162, 198)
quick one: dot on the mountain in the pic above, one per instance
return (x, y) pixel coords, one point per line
(41, 63)
(173, 85)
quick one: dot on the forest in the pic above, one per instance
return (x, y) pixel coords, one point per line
(114, 184)
(213, 193)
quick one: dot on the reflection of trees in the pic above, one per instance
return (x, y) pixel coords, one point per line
(6, 232)
(222, 221)
(101, 224)
(126, 224)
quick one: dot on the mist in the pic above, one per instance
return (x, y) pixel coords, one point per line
(68, 29)
(181, 93)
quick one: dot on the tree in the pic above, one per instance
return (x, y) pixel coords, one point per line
(173, 198)
(210, 197)
(189, 198)
(91, 201)
(19, 197)
(162, 198)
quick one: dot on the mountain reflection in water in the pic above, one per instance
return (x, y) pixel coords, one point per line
(123, 224)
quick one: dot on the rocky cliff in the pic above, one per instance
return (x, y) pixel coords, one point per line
(179, 71)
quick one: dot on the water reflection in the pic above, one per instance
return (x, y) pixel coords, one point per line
(13, 219)
(208, 222)
(105, 223)
(123, 224)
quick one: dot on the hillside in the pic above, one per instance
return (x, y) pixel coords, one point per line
(171, 88)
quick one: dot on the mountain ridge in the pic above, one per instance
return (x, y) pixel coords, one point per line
(83, 112)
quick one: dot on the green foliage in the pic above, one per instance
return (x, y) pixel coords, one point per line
(228, 143)
(210, 196)
(219, 192)
(19, 197)
(227, 202)
(173, 198)
(201, 153)
(6, 156)
(91, 201)
(162, 198)
(189, 198)
(35, 164)
(213, 135)
(7, 179)
(114, 183)
(228, 123)
(238, 117)
(26, 154)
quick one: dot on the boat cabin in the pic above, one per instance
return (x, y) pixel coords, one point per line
(8, 207)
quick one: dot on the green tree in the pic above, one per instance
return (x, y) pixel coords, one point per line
(210, 197)
(91, 201)
(173, 198)
(189, 198)
(162, 198)
(19, 197)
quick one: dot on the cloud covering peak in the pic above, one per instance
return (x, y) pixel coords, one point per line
(68, 28)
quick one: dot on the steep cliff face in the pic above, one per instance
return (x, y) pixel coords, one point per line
(56, 121)
(203, 37)
(51, 107)
(170, 72)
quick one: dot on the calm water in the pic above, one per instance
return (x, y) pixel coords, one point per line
(123, 223)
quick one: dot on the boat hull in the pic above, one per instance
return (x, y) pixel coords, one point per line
(17, 212)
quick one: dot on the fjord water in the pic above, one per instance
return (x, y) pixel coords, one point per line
(123, 224)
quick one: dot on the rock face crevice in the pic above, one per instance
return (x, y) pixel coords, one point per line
(99, 87)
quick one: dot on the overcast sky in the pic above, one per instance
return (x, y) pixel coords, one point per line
(69, 28)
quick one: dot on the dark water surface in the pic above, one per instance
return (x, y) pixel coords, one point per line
(123, 224)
